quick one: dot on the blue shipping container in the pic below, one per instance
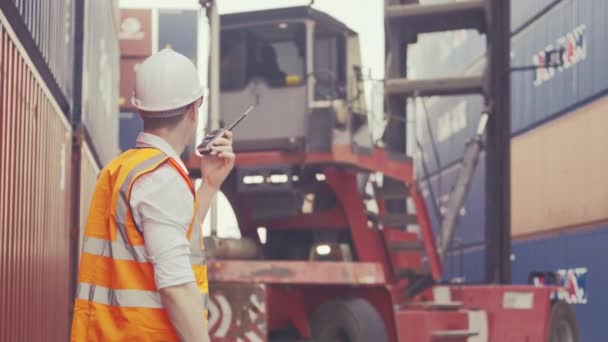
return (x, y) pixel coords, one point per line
(575, 251)
(578, 29)
(453, 121)
(470, 227)
(466, 265)
(576, 255)
(524, 11)
(178, 29)
(130, 126)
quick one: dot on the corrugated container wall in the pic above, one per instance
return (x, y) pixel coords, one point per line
(101, 79)
(35, 150)
(558, 172)
(524, 11)
(89, 169)
(51, 25)
(577, 28)
(582, 252)
(579, 253)
(446, 125)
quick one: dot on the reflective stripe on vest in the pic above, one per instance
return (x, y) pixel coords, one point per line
(119, 251)
(123, 298)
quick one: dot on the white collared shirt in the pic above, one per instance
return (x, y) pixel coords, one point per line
(162, 206)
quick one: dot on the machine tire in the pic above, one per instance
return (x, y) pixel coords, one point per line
(562, 323)
(348, 320)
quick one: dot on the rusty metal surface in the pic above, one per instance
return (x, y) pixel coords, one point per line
(101, 79)
(238, 312)
(135, 32)
(35, 147)
(232, 249)
(297, 272)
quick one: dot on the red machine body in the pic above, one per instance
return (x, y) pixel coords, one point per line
(250, 299)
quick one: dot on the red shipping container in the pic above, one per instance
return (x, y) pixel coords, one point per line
(135, 32)
(127, 80)
(35, 197)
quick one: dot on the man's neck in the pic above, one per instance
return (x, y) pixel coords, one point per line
(172, 138)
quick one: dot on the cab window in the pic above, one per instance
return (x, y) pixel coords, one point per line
(274, 53)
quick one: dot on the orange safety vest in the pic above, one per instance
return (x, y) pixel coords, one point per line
(116, 298)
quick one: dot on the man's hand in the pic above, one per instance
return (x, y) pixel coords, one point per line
(216, 166)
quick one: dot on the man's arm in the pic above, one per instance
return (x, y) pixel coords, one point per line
(162, 207)
(185, 313)
(214, 168)
(205, 195)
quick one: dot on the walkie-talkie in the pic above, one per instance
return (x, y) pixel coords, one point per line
(205, 147)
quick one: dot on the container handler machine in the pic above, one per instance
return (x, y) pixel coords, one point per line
(330, 249)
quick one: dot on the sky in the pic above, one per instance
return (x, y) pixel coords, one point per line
(365, 18)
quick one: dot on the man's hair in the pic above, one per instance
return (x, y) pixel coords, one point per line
(165, 119)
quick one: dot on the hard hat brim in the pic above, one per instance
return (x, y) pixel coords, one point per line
(136, 103)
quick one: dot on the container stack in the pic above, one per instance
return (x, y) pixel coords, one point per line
(135, 46)
(559, 138)
(144, 31)
(37, 116)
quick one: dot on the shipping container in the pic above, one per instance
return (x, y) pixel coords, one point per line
(178, 30)
(580, 257)
(135, 32)
(128, 66)
(465, 264)
(559, 171)
(524, 12)
(130, 126)
(577, 29)
(445, 126)
(101, 79)
(89, 170)
(577, 258)
(35, 197)
(50, 25)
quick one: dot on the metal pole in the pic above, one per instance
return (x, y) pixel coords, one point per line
(461, 188)
(498, 161)
(77, 137)
(214, 86)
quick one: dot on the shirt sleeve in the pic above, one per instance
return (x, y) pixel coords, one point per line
(162, 206)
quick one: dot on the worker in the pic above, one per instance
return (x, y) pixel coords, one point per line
(142, 275)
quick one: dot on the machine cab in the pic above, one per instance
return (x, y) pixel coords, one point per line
(301, 69)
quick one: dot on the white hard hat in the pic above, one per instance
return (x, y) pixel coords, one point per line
(164, 81)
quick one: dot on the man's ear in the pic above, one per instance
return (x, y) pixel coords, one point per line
(192, 112)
